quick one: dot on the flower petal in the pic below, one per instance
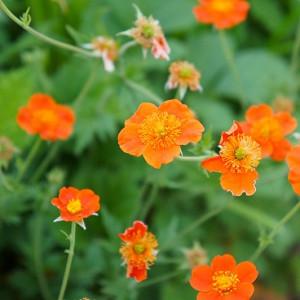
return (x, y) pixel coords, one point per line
(293, 157)
(144, 110)
(212, 295)
(243, 292)
(287, 122)
(191, 132)
(177, 108)
(129, 141)
(294, 179)
(247, 272)
(214, 164)
(201, 279)
(257, 112)
(223, 263)
(157, 157)
(280, 150)
(239, 183)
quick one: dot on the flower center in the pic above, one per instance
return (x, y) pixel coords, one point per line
(241, 153)
(148, 31)
(160, 130)
(222, 5)
(46, 116)
(225, 282)
(74, 206)
(185, 72)
(139, 248)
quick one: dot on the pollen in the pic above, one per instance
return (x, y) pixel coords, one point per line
(160, 130)
(74, 206)
(46, 116)
(241, 153)
(139, 248)
(225, 282)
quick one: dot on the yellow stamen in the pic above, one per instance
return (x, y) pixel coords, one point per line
(139, 248)
(74, 206)
(225, 282)
(222, 5)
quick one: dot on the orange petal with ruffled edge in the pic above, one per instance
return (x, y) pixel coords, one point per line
(280, 150)
(243, 292)
(293, 157)
(144, 110)
(239, 183)
(214, 164)
(201, 279)
(294, 179)
(191, 132)
(129, 140)
(257, 112)
(138, 230)
(235, 129)
(138, 273)
(175, 107)
(157, 157)
(246, 272)
(40, 101)
(211, 295)
(287, 122)
(224, 262)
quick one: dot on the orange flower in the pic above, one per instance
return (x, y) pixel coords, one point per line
(139, 250)
(76, 205)
(223, 14)
(148, 33)
(45, 117)
(106, 48)
(293, 160)
(237, 161)
(224, 279)
(269, 130)
(158, 132)
(183, 75)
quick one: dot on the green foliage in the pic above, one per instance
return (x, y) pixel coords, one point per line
(182, 192)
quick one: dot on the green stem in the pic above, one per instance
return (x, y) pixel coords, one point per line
(126, 47)
(269, 239)
(43, 166)
(209, 215)
(150, 201)
(41, 36)
(296, 52)
(140, 89)
(193, 158)
(229, 56)
(30, 157)
(72, 239)
(86, 88)
(4, 181)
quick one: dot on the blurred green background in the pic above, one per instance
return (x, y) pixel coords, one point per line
(181, 192)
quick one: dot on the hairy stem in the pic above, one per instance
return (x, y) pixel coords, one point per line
(72, 239)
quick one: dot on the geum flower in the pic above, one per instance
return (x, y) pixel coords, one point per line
(76, 205)
(148, 33)
(158, 132)
(237, 161)
(45, 117)
(223, 14)
(293, 161)
(139, 250)
(183, 75)
(224, 279)
(107, 49)
(270, 129)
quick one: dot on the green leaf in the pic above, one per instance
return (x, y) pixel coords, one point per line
(263, 77)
